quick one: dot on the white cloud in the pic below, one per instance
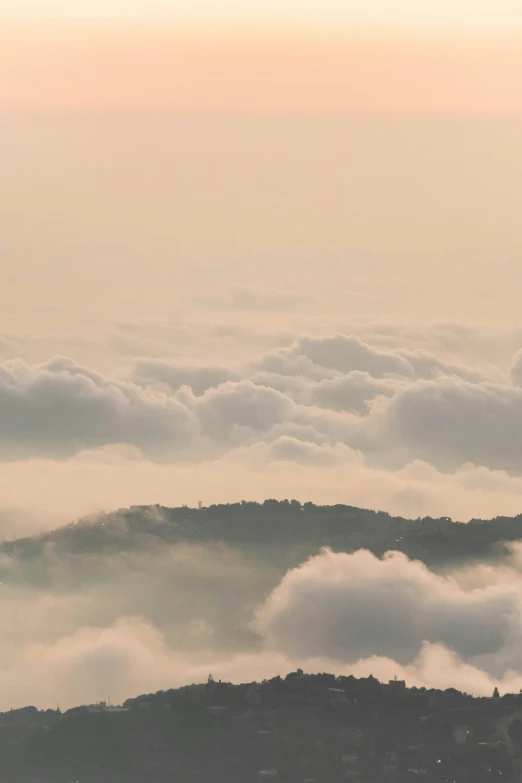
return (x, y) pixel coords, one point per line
(347, 353)
(60, 407)
(351, 606)
(449, 423)
(302, 452)
(288, 363)
(235, 411)
(171, 375)
(351, 392)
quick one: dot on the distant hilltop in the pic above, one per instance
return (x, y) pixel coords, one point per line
(288, 524)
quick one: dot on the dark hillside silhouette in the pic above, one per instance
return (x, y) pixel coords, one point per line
(296, 728)
(288, 528)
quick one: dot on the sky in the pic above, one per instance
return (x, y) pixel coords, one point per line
(291, 12)
(111, 65)
(250, 250)
(386, 56)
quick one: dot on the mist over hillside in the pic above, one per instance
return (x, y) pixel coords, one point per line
(282, 532)
(130, 600)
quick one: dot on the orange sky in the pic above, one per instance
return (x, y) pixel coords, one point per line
(118, 66)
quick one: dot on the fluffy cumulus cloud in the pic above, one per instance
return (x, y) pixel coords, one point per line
(349, 353)
(363, 410)
(294, 450)
(346, 353)
(235, 410)
(352, 606)
(453, 422)
(172, 375)
(350, 392)
(60, 407)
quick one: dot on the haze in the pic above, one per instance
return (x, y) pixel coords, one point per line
(291, 12)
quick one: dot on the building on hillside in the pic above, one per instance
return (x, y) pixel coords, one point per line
(102, 706)
(397, 686)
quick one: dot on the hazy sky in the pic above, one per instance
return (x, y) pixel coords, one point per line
(292, 12)
(253, 249)
(70, 64)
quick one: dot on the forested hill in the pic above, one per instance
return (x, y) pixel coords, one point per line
(319, 728)
(288, 528)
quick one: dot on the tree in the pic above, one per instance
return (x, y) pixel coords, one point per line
(496, 694)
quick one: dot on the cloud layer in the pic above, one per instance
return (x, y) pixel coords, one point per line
(357, 418)
(62, 407)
